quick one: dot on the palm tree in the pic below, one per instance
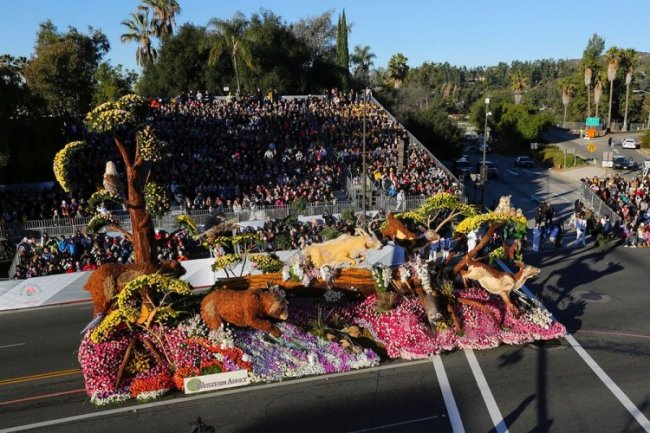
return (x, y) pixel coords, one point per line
(567, 88)
(397, 69)
(232, 36)
(163, 19)
(588, 72)
(629, 60)
(598, 92)
(612, 59)
(519, 81)
(362, 58)
(139, 29)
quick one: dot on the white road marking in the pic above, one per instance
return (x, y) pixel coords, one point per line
(616, 151)
(534, 173)
(607, 381)
(6, 346)
(448, 396)
(395, 424)
(490, 402)
(512, 172)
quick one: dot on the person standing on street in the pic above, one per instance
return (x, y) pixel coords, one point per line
(537, 236)
(581, 229)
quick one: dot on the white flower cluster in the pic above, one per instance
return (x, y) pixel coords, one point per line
(115, 398)
(423, 274)
(195, 327)
(382, 276)
(286, 274)
(404, 273)
(538, 315)
(223, 336)
(152, 395)
(333, 295)
(326, 274)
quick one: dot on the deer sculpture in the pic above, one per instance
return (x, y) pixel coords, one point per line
(498, 282)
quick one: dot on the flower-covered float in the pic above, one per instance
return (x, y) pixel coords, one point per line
(342, 311)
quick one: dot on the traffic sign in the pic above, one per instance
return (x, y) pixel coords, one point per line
(591, 147)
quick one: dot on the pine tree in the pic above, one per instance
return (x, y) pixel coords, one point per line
(342, 53)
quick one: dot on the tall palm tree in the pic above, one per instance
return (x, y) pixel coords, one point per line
(612, 60)
(233, 37)
(567, 88)
(629, 60)
(362, 59)
(588, 73)
(518, 80)
(164, 13)
(598, 92)
(397, 69)
(140, 30)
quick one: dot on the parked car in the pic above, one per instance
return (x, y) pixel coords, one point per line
(624, 163)
(524, 161)
(629, 143)
(492, 169)
(462, 167)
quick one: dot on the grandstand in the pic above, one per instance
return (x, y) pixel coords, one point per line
(251, 159)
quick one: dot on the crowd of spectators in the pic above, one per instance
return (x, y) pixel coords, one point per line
(629, 199)
(251, 152)
(85, 252)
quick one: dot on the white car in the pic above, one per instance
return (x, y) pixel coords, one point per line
(629, 143)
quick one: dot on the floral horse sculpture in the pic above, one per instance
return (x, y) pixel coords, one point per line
(498, 282)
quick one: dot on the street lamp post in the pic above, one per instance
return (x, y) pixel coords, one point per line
(364, 176)
(483, 174)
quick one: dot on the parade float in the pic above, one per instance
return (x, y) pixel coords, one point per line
(348, 303)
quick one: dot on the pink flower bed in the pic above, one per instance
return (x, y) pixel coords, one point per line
(406, 334)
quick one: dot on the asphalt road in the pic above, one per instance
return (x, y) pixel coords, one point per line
(595, 380)
(578, 145)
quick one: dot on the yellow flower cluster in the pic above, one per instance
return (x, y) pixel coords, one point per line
(62, 159)
(225, 261)
(188, 223)
(154, 282)
(246, 238)
(156, 200)
(106, 327)
(102, 119)
(267, 262)
(101, 196)
(128, 303)
(102, 220)
(150, 146)
(132, 103)
(497, 253)
(140, 361)
(476, 221)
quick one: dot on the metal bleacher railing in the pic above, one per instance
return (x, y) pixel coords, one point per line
(592, 201)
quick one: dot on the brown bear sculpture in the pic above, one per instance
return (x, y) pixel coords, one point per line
(245, 308)
(109, 279)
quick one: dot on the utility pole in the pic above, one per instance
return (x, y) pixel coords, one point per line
(364, 177)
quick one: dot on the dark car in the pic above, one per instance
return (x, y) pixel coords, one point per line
(462, 167)
(624, 163)
(492, 169)
(524, 161)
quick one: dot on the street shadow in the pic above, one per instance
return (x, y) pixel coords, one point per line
(509, 420)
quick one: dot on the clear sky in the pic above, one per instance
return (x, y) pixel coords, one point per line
(461, 32)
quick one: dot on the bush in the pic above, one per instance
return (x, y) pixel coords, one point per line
(553, 155)
(645, 139)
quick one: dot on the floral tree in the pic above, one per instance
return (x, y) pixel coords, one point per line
(440, 210)
(127, 123)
